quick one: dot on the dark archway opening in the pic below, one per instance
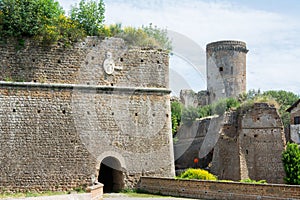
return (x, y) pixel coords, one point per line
(111, 175)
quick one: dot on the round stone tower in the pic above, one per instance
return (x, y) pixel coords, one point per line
(226, 69)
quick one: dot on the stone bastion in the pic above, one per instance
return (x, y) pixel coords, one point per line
(97, 111)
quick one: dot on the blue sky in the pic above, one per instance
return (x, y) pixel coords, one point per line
(271, 29)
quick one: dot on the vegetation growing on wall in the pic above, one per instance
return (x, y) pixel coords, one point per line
(46, 21)
(291, 164)
(279, 99)
(27, 17)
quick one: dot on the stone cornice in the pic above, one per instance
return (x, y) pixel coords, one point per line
(85, 88)
(227, 45)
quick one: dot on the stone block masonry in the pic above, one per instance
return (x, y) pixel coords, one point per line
(85, 63)
(97, 101)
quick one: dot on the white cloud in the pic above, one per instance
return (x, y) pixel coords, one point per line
(272, 38)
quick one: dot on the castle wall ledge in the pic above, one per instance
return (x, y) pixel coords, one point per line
(80, 87)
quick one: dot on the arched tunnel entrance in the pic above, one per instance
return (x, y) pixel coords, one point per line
(111, 175)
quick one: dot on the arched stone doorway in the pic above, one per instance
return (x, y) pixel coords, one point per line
(111, 175)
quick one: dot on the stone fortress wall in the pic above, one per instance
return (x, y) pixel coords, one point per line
(78, 107)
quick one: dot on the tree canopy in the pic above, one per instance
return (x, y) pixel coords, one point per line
(27, 17)
(46, 21)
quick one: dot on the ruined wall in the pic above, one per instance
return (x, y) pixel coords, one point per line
(190, 98)
(261, 141)
(54, 136)
(226, 162)
(226, 69)
(190, 140)
(251, 146)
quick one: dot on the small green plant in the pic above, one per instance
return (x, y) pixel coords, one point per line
(80, 189)
(8, 79)
(291, 164)
(199, 174)
(176, 110)
(189, 115)
(248, 180)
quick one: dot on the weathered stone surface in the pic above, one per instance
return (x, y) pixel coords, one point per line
(226, 69)
(195, 141)
(252, 146)
(54, 135)
(83, 63)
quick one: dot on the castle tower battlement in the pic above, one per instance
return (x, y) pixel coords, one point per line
(226, 69)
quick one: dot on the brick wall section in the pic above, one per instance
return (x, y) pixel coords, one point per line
(261, 141)
(70, 114)
(54, 137)
(83, 63)
(218, 190)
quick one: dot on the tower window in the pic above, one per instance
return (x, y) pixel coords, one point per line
(297, 120)
(221, 69)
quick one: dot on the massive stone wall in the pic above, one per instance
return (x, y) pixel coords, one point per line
(84, 63)
(54, 135)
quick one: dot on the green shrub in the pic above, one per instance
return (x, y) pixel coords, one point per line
(198, 174)
(189, 115)
(27, 17)
(176, 110)
(205, 111)
(291, 163)
(159, 35)
(63, 29)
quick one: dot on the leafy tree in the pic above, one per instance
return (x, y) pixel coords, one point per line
(176, 110)
(27, 17)
(90, 16)
(285, 100)
(291, 163)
